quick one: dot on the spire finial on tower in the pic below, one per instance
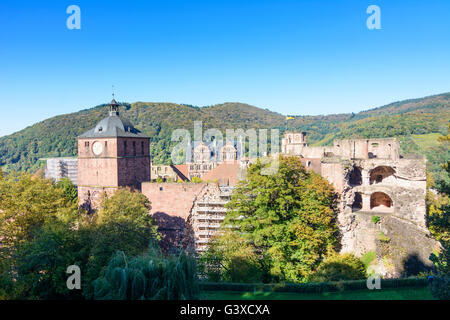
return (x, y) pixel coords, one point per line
(113, 106)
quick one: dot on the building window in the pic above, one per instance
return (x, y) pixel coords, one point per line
(142, 147)
(134, 148)
(106, 144)
(125, 147)
(86, 144)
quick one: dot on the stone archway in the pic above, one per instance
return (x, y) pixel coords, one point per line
(380, 201)
(380, 173)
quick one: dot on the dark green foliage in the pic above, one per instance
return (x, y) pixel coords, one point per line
(340, 267)
(313, 287)
(148, 277)
(230, 258)
(70, 190)
(41, 264)
(440, 287)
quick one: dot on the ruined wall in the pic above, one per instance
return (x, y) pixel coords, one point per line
(387, 148)
(90, 197)
(382, 201)
(395, 195)
(333, 171)
(171, 206)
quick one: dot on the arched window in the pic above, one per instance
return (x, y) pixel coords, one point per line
(381, 201)
(380, 173)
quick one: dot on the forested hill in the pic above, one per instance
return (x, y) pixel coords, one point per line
(416, 122)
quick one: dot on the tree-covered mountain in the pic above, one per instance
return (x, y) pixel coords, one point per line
(412, 121)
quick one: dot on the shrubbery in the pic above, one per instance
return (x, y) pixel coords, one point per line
(230, 258)
(440, 287)
(148, 277)
(44, 233)
(339, 267)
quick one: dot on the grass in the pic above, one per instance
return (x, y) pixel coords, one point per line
(422, 293)
(426, 141)
(367, 258)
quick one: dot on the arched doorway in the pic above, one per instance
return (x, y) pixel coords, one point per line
(381, 201)
(381, 173)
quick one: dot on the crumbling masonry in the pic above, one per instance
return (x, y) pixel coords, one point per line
(382, 199)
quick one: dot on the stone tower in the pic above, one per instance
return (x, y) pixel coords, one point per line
(113, 154)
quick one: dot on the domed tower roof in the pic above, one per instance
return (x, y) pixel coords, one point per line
(113, 126)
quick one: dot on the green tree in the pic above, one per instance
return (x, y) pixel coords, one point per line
(438, 205)
(122, 224)
(288, 217)
(33, 215)
(439, 225)
(230, 257)
(26, 203)
(70, 190)
(150, 276)
(40, 265)
(44, 233)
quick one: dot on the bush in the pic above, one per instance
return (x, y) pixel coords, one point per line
(148, 277)
(440, 287)
(70, 190)
(313, 287)
(368, 257)
(196, 180)
(230, 258)
(375, 219)
(340, 267)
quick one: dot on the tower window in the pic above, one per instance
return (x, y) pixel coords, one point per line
(125, 147)
(142, 147)
(134, 148)
(86, 144)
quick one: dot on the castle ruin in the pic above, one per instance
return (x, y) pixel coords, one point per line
(381, 198)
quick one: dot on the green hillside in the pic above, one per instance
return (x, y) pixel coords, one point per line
(416, 122)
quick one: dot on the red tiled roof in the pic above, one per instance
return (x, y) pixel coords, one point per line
(225, 174)
(181, 170)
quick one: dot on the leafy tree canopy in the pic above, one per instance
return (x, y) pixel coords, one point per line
(288, 217)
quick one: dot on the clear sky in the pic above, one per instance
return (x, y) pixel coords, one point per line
(292, 57)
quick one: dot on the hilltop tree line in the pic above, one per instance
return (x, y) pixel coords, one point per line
(56, 136)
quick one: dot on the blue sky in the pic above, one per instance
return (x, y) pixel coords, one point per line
(292, 57)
